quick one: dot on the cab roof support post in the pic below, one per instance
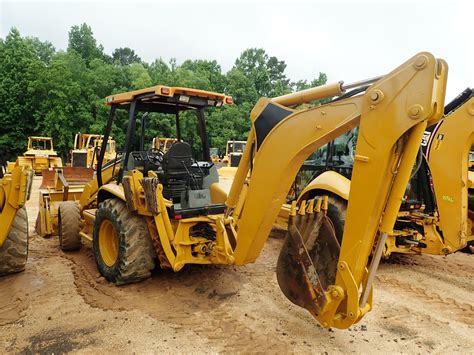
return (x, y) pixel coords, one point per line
(105, 138)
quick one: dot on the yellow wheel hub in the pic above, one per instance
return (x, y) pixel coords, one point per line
(108, 242)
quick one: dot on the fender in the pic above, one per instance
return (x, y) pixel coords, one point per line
(109, 191)
(330, 181)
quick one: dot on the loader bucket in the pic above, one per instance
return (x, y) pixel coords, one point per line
(78, 176)
(307, 264)
(48, 178)
(73, 175)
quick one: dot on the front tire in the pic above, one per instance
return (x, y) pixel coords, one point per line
(122, 246)
(14, 252)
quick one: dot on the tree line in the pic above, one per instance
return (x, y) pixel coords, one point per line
(56, 93)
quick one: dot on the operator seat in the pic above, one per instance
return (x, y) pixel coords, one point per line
(178, 176)
(178, 159)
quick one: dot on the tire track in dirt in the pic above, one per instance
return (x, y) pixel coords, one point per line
(457, 264)
(463, 311)
(203, 299)
(227, 308)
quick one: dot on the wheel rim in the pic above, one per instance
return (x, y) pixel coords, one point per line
(108, 243)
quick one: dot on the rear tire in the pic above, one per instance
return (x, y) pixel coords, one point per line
(14, 252)
(69, 225)
(122, 245)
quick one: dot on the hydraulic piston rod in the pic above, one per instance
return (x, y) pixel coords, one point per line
(320, 92)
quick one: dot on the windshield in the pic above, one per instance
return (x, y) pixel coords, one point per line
(41, 144)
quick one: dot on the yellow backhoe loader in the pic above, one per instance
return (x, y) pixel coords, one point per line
(435, 217)
(15, 188)
(86, 147)
(40, 154)
(169, 207)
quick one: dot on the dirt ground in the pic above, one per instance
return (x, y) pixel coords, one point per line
(61, 304)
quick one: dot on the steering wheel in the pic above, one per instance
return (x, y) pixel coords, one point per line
(155, 156)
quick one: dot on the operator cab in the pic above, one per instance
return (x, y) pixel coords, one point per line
(186, 181)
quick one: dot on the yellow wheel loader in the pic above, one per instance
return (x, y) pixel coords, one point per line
(86, 148)
(40, 154)
(169, 208)
(435, 217)
(15, 188)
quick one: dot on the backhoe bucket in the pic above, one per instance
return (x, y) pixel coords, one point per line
(307, 263)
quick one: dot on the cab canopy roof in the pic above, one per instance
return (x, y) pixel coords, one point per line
(40, 138)
(168, 99)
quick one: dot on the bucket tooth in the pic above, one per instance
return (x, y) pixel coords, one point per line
(302, 209)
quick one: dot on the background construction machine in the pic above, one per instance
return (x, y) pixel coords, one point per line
(58, 185)
(434, 217)
(163, 144)
(40, 154)
(233, 153)
(214, 154)
(171, 207)
(15, 189)
(86, 148)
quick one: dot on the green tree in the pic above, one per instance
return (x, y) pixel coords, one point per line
(266, 73)
(82, 41)
(67, 107)
(160, 72)
(19, 69)
(60, 93)
(125, 56)
(240, 87)
(139, 75)
(209, 70)
(43, 50)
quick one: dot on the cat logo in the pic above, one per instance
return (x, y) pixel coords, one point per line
(426, 138)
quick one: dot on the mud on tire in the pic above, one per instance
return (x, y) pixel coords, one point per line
(14, 252)
(69, 225)
(136, 255)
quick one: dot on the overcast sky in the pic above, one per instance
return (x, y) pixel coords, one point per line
(347, 40)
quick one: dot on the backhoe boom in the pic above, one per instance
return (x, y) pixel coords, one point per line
(392, 115)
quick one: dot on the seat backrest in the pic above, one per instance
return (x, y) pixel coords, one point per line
(179, 157)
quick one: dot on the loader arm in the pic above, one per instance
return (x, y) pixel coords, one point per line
(108, 173)
(392, 115)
